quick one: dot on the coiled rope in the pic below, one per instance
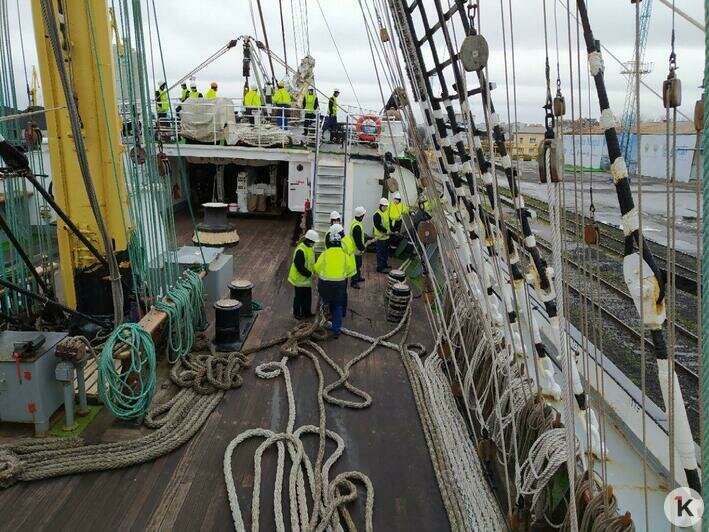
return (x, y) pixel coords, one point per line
(127, 391)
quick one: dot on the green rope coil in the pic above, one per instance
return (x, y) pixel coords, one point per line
(185, 314)
(128, 390)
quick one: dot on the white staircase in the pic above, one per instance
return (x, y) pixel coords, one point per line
(329, 194)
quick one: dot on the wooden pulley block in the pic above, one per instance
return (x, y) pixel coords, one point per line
(541, 162)
(426, 232)
(487, 450)
(163, 164)
(392, 184)
(699, 115)
(474, 53)
(137, 154)
(591, 234)
(672, 93)
(444, 350)
(384, 34)
(456, 390)
(559, 106)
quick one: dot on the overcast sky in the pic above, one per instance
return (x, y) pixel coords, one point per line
(191, 31)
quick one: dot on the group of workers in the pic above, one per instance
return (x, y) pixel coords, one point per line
(281, 99)
(341, 261)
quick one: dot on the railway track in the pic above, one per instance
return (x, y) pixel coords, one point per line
(613, 241)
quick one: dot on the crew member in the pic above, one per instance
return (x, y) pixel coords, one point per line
(161, 102)
(185, 92)
(331, 118)
(358, 240)
(300, 275)
(333, 269)
(310, 106)
(212, 92)
(282, 99)
(381, 232)
(335, 218)
(397, 210)
(194, 93)
(252, 103)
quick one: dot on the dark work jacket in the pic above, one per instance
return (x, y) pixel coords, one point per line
(358, 237)
(377, 219)
(299, 263)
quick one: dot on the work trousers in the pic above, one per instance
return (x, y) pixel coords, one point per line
(337, 310)
(281, 112)
(330, 124)
(302, 301)
(357, 277)
(382, 254)
(308, 124)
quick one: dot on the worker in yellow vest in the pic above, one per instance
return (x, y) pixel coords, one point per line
(397, 210)
(282, 100)
(185, 92)
(310, 106)
(330, 123)
(212, 92)
(335, 218)
(333, 268)
(358, 239)
(382, 230)
(252, 103)
(194, 93)
(300, 276)
(162, 104)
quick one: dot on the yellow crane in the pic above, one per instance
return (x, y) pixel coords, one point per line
(85, 32)
(34, 87)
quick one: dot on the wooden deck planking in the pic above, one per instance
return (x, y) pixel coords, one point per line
(185, 490)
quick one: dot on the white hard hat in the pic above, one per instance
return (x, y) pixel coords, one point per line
(335, 231)
(396, 195)
(384, 202)
(336, 90)
(193, 85)
(253, 87)
(334, 215)
(312, 235)
(360, 211)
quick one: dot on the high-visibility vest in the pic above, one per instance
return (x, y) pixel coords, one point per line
(385, 224)
(185, 94)
(333, 265)
(252, 99)
(356, 223)
(348, 244)
(195, 94)
(310, 102)
(333, 100)
(281, 96)
(211, 94)
(294, 276)
(396, 211)
(162, 104)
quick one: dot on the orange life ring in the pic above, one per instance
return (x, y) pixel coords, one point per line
(369, 127)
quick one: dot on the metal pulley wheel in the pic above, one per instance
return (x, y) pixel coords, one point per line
(427, 232)
(474, 53)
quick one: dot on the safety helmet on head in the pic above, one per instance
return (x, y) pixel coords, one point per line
(383, 202)
(338, 230)
(253, 87)
(396, 195)
(311, 89)
(213, 85)
(281, 84)
(336, 90)
(360, 211)
(184, 85)
(193, 85)
(312, 235)
(334, 215)
(163, 84)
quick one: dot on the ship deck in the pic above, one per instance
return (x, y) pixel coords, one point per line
(185, 490)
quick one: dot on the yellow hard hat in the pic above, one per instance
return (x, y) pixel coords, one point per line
(281, 84)
(214, 84)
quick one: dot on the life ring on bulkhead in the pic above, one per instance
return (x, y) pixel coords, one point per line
(369, 127)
